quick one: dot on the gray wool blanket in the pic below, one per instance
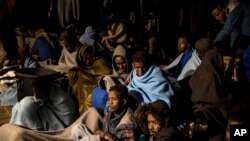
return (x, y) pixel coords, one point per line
(11, 132)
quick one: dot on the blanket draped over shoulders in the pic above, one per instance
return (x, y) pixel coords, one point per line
(151, 86)
(84, 78)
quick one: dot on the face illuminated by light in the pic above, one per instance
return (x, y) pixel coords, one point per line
(182, 44)
(153, 125)
(114, 102)
(140, 68)
(120, 63)
(219, 14)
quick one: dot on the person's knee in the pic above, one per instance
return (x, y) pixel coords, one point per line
(27, 104)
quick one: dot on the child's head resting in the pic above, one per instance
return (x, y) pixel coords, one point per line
(117, 98)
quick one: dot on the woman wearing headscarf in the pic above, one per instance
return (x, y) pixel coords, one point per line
(84, 78)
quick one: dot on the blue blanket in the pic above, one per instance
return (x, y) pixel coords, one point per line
(54, 113)
(151, 86)
(44, 48)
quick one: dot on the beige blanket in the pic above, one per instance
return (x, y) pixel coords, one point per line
(10, 132)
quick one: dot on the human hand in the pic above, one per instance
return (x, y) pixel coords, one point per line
(100, 133)
(163, 66)
(232, 4)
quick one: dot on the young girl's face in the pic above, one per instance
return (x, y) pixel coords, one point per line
(153, 125)
(114, 102)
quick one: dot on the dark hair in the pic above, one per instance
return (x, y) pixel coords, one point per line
(43, 84)
(159, 109)
(140, 117)
(182, 35)
(42, 87)
(157, 115)
(121, 91)
(216, 4)
(141, 56)
(188, 37)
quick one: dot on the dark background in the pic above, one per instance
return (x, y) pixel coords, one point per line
(196, 19)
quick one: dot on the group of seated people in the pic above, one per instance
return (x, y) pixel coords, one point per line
(131, 98)
(135, 103)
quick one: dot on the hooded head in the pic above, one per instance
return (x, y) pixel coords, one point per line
(202, 46)
(120, 62)
(85, 56)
